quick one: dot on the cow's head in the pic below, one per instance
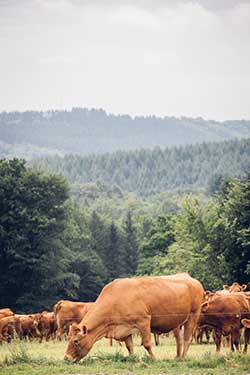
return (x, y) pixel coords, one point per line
(79, 342)
(35, 328)
(235, 287)
(246, 323)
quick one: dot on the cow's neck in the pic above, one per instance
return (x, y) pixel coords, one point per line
(97, 322)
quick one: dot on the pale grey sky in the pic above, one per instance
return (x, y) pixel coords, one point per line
(172, 57)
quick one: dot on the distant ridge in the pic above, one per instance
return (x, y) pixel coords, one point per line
(149, 172)
(87, 131)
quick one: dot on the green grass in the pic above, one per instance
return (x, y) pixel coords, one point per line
(33, 358)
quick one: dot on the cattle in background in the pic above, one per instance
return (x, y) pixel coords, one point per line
(125, 306)
(224, 313)
(29, 326)
(68, 312)
(9, 326)
(234, 288)
(47, 325)
(5, 312)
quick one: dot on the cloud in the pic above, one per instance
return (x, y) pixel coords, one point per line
(212, 5)
(171, 57)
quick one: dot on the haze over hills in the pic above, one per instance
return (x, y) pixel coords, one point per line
(83, 131)
(149, 172)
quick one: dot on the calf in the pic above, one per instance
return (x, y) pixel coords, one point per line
(224, 314)
(47, 325)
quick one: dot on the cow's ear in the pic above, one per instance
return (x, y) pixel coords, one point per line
(204, 306)
(226, 287)
(84, 330)
(246, 323)
(243, 287)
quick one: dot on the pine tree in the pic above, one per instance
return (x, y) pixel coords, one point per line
(113, 258)
(130, 246)
(99, 236)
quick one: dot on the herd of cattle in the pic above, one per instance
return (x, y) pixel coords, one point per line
(143, 305)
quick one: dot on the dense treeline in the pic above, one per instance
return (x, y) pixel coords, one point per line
(52, 247)
(147, 172)
(86, 131)
(211, 241)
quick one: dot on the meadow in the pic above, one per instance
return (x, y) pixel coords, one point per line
(34, 358)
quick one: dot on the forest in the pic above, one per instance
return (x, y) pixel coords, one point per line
(149, 172)
(54, 246)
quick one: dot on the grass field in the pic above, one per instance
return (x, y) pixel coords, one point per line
(33, 358)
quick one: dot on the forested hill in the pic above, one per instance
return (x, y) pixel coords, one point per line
(147, 172)
(83, 131)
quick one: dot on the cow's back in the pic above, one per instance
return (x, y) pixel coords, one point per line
(5, 312)
(167, 299)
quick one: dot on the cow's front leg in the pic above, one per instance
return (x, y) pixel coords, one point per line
(144, 328)
(129, 345)
(178, 339)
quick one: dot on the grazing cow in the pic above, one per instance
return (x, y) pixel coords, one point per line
(5, 312)
(47, 325)
(68, 312)
(224, 313)
(9, 326)
(125, 306)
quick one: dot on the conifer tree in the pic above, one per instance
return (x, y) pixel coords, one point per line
(130, 246)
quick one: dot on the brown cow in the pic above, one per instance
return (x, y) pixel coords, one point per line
(234, 288)
(9, 326)
(158, 304)
(5, 312)
(47, 325)
(29, 326)
(224, 313)
(68, 312)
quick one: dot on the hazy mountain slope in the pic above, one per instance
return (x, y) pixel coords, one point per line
(147, 172)
(86, 131)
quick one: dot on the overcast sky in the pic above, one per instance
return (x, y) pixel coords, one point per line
(162, 57)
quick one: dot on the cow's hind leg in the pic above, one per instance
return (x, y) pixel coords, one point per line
(189, 327)
(157, 339)
(217, 336)
(246, 338)
(235, 339)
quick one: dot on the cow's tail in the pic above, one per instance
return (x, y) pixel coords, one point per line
(57, 308)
